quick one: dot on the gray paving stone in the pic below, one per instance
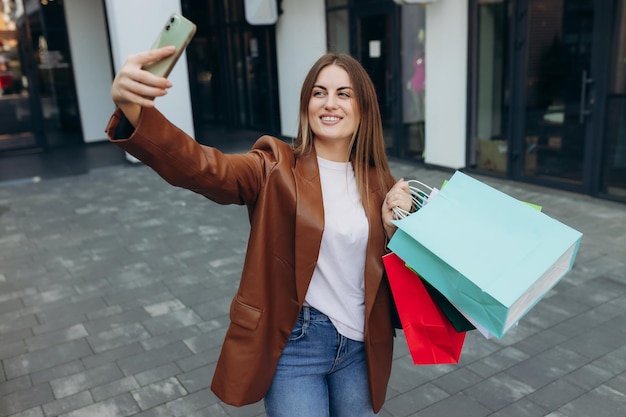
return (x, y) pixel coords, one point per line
(33, 412)
(206, 341)
(112, 355)
(252, 410)
(618, 383)
(15, 384)
(10, 305)
(457, 380)
(197, 379)
(56, 372)
(117, 337)
(160, 411)
(114, 321)
(171, 321)
(171, 337)
(458, 405)
(546, 367)
(588, 376)
(499, 391)
(521, 408)
(14, 345)
(415, 400)
(14, 322)
(189, 403)
(25, 399)
(81, 381)
(109, 251)
(602, 401)
(199, 359)
(498, 361)
(65, 311)
(214, 410)
(121, 406)
(46, 358)
(44, 340)
(157, 374)
(556, 394)
(158, 393)
(151, 359)
(114, 388)
(70, 403)
(104, 312)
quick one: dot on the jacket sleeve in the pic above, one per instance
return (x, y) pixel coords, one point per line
(183, 162)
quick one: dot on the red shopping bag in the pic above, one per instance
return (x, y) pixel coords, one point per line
(430, 335)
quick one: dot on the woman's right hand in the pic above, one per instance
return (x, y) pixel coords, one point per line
(134, 88)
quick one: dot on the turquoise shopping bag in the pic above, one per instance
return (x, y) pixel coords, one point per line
(491, 255)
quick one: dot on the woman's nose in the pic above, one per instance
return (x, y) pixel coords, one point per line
(331, 101)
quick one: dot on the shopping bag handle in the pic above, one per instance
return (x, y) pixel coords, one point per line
(420, 195)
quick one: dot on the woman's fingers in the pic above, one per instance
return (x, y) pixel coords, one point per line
(399, 196)
(153, 55)
(134, 85)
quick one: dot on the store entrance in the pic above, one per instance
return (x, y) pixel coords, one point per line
(565, 94)
(372, 43)
(232, 71)
(38, 105)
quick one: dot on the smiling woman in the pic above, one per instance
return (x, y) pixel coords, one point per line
(330, 197)
(333, 114)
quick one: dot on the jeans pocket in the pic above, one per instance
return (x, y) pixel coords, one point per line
(299, 330)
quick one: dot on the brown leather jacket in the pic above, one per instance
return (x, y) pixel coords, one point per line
(284, 199)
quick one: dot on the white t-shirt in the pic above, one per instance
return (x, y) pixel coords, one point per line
(337, 288)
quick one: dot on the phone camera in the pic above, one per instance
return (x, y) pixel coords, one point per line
(167, 27)
(172, 20)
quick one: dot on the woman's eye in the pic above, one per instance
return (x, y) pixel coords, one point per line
(318, 93)
(344, 95)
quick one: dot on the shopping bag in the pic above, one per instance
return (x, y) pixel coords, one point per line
(430, 336)
(492, 256)
(460, 321)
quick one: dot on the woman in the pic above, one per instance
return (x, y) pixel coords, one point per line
(311, 330)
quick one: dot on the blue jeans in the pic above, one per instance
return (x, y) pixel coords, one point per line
(320, 373)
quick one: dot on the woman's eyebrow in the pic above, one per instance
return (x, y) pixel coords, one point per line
(338, 89)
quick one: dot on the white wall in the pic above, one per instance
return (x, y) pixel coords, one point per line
(300, 41)
(446, 82)
(133, 27)
(91, 64)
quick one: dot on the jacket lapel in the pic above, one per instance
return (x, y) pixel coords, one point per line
(375, 242)
(309, 220)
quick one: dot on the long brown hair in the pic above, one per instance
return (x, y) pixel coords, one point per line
(367, 147)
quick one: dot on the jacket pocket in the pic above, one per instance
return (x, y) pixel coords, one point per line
(245, 315)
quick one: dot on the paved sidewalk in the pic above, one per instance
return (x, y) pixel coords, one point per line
(115, 290)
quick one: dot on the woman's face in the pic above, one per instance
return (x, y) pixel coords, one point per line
(333, 113)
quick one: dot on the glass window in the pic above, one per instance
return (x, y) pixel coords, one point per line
(413, 73)
(613, 181)
(15, 109)
(336, 3)
(338, 31)
(489, 141)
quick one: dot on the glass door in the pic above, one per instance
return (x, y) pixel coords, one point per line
(563, 65)
(377, 50)
(612, 172)
(16, 68)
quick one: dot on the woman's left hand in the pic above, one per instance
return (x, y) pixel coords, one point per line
(398, 196)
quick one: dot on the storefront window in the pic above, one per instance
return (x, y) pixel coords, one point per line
(377, 32)
(15, 108)
(413, 69)
(38, 96)
(613, 181)
(489, 147)
(338, 35)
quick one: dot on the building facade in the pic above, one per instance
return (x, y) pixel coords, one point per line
(531, 90)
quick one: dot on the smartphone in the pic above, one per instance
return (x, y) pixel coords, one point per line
(177, 31)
